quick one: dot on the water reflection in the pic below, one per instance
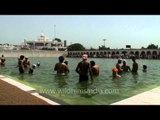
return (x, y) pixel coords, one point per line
(21, 77)
(85, 89)
(61, 80)
(135, 77)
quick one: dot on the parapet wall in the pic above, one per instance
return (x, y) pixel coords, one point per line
(32, 53)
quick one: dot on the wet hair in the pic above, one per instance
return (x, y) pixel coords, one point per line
(119, 61)
(66, 62)
(92, 63)
(34, 66)
(61, 58)
(124, 62)
(133, 58)
(144, 66)
(21, 57)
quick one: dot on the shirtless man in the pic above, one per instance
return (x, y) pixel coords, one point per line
(26, 62)
(118, 66)
(135, 65)
(61, 67)
(125, 67)
(20, 64)
(83, 68)
(94, 68)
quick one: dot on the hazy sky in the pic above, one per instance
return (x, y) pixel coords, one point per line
(89, 30)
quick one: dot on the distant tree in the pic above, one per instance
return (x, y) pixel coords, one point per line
(152, 46)
(142, 47)
(76, 47)
(103, 48)
(93, 48)
(59, 40)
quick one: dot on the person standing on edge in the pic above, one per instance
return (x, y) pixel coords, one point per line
(3, 60)
(135, 65)
(83, 68)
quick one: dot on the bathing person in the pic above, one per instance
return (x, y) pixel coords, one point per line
(61, 67)
(66, 62)
(115, 72)
(94, 68)
(83, 68)
(26, 62)
(135, 65)
(118, 66)
(20, 64)
(31, 69)
(38, 64)
(3, 60)
(125, 67)
(144, 68)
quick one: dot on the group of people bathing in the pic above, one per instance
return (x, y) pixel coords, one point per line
(118, 69)
(84, 68)
(24, 64)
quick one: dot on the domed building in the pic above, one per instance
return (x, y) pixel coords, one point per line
(44, 43)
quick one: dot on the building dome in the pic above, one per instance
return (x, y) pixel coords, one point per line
(42, 37)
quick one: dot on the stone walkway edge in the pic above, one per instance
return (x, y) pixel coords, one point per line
(26, 88)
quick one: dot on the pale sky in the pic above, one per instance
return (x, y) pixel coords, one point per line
(89, 30)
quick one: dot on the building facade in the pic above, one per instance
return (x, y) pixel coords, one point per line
(116, 53)
(43, 42)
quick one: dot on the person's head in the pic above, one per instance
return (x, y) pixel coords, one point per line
(26, 58)
(38, 64)
(34, 66)
(21, 57)
(61, 59)
(84, 56)
(92, 63)
(133, 59)
(144, 67)
(119, 61)
(66, 62)
(124, 62)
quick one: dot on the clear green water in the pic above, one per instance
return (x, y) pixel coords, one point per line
(104, 90)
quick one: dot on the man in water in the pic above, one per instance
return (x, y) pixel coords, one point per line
(135, 65)
(83, 68)
(94, 68)
(38, 64)
(20, 64)
(118, 66)
(61, 67)
(3, 60)
(115, 72)
(26, 62)
(125, 67)
(66, 62)
(144, 68)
